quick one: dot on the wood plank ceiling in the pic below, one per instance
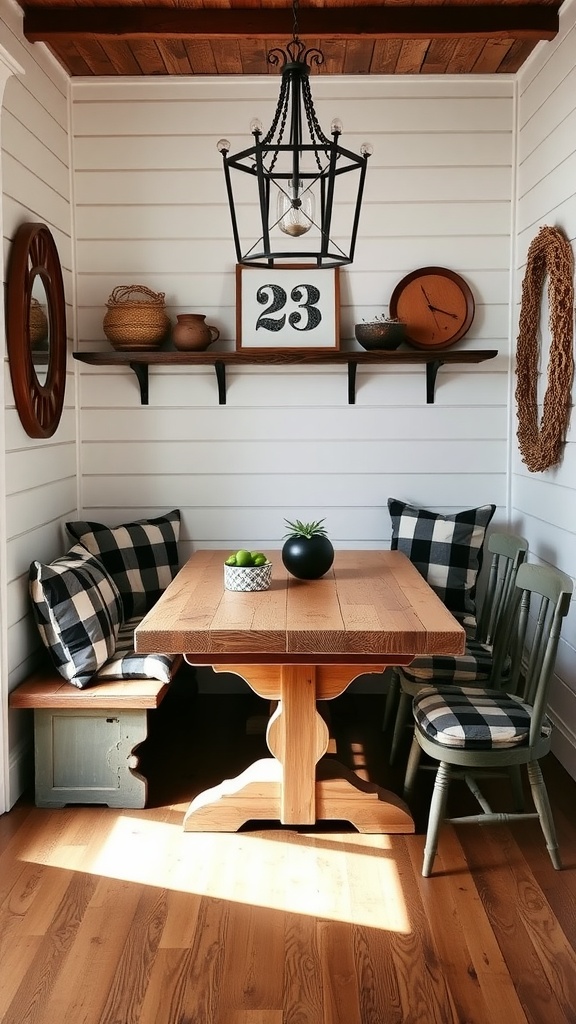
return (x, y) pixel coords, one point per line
(225, 37)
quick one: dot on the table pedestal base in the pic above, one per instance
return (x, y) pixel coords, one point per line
(256, 795)
(298, 785)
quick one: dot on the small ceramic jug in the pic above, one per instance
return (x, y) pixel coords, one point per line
(191, 334)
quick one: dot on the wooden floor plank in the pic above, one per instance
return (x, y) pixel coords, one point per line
(474, 934)
(120, 917)
(31, 1000)
(514, 905)
(340, 980)
(303, 996)
(259, 933)
(424, 993)
(130, 981)
(17, 954)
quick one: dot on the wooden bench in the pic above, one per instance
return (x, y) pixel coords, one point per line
(86, 741)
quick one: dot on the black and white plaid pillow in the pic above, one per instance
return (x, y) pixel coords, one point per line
(474, 719)
(125, 663)
(141, 557)
(446, 550)
(78, 610)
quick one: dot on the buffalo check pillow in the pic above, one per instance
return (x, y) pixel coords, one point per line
(446, 550)
(141, 557)
(78, 611)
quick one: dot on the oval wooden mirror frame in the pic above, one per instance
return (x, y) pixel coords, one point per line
(39, 404)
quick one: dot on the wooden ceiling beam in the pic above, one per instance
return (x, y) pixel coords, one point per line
(71, 24)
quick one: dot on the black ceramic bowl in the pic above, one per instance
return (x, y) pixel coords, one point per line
(380, 335)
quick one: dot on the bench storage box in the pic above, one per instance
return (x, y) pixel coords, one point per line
(86, 741)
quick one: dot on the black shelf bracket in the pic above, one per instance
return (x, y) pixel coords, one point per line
(220, 369)
(141, 371)
(352, 367)
(431, 372)
(432, 368)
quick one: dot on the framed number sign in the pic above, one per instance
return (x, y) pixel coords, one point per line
(291, 307)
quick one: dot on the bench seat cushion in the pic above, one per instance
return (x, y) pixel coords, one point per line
(125, 663)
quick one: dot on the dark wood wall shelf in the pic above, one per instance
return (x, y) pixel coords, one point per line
(139, 362)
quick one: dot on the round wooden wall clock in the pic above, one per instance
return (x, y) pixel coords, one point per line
(436, 305)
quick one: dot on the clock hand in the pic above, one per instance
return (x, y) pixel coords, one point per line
(430, 306)
(436, 309)
(445, 311)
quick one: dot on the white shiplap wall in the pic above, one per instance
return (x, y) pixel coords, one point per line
(544, 504)
(151, 209)
(40, 477)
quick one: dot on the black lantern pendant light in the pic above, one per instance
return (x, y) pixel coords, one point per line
(307, 187)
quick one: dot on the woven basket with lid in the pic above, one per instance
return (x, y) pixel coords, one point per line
(136, 318)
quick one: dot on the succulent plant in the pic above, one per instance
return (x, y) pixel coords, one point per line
(381, 318)
(308, 530)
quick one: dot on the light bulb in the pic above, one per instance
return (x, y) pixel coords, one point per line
(256, 126)
(366, 149)
(336, 126)
(223, 146)
(295, 209)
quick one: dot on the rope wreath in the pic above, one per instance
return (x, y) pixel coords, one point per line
(541, 446)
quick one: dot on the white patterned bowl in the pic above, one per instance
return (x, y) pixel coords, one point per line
(248, 578)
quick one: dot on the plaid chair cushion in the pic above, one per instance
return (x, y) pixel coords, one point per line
(78, 610)
(474, 719)
(474, 665)
(141, 557)
(446, 550)
(125, 663)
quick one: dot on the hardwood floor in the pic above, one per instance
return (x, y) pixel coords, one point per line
(119, 917)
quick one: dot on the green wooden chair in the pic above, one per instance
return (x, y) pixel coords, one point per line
(475, 665)
(470, 730)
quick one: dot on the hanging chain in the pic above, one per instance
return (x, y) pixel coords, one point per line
(295, 5)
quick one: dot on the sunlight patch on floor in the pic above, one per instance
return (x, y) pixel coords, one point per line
(347, 877)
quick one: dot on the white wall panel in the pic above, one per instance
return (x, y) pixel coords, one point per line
(226, 108)
(215, 288)
(347, 423)
(311, 456)
(230, 491)
(53, 501)
(411, 149)
(359, 88)
(547, 81)
(145, 255)
(18, 602)
(385, 215)
(16, 436)
(39, 475)
(543, 504)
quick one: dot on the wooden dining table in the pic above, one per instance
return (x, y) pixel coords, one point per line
(296, 644)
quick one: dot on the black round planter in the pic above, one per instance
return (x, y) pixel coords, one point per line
(308, 558)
